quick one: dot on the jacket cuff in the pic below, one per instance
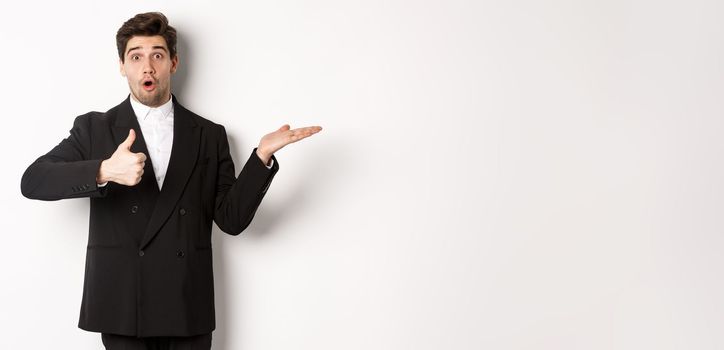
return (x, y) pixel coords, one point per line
(90, 186)
(257, 166)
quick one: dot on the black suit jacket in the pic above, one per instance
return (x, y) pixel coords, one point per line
(148, 263)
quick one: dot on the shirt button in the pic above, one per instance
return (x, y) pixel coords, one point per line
(182, 211)
(180, 254)
(140, 253)
(134, 209)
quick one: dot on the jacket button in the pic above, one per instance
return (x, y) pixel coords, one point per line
(180, 254)
(182, 211)
(140, 253)
(134, 209)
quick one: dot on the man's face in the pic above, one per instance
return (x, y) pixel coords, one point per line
(148, 68)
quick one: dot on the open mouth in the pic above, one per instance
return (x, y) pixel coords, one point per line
(148, 85)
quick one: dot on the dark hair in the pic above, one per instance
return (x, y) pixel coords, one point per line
(146, 24)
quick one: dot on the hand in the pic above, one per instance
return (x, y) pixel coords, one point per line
(123, 167)
(274, 141)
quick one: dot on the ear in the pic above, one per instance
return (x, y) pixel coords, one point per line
(174, 64)
(122, 69)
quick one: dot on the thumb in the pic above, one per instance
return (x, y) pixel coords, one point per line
(129, 140)
(284, 127)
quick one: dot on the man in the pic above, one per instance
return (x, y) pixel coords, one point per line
(157, 175)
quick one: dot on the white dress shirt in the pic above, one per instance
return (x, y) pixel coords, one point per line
(157, 129)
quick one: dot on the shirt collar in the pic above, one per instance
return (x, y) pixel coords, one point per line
(142, 110)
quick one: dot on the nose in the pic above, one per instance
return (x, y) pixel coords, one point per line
(148, 67)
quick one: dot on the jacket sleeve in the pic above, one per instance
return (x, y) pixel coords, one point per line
(66, 171)
(238, 198)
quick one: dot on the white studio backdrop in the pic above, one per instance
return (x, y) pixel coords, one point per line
(491, 174)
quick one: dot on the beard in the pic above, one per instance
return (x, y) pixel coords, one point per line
(155, 98)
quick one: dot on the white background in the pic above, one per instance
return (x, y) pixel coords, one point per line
(491, 174)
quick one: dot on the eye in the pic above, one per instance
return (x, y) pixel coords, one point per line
(135, 57)
(158, 56)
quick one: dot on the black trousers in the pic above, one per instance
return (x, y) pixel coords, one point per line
(124, 342)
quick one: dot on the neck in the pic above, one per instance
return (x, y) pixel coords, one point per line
(152, 105)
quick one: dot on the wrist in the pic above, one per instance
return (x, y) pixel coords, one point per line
(102, 176)
(264, 156)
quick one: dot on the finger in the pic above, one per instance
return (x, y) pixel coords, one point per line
(298, 136)
(284, 127)
(141, 157)
(126, 144)
(311, 130)
(308, 130)
(301, 133)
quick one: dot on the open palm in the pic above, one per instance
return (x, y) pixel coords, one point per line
(276, 140)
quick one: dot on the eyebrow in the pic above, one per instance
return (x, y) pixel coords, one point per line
(140, 47)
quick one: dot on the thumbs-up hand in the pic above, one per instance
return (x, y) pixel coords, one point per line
(123, 167)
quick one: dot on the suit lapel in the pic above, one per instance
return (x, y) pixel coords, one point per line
(184, 154)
